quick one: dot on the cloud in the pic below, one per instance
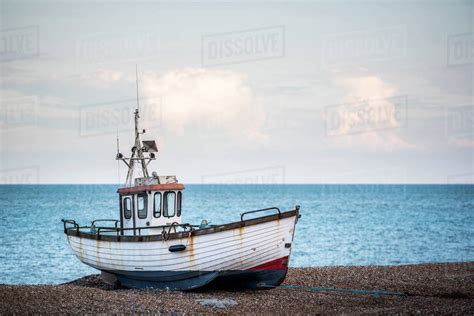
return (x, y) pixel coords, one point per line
(466, 142)
(207, 101)
(367, 87)
(104, 78)
(370, 116)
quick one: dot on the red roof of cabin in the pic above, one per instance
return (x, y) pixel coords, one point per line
(153, 187)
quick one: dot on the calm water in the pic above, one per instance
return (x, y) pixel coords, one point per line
(340, 224)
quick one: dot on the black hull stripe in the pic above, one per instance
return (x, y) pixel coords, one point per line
(195, 279)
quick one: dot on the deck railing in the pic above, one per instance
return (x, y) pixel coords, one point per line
(70, 224)
(261, 210)
(106, 220)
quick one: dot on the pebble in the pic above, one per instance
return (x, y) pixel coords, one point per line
(443, 288)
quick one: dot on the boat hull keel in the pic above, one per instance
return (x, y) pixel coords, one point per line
(263, 277)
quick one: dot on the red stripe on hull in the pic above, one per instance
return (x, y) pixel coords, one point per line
(278, 264)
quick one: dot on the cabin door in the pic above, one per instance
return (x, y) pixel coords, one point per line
(142, 214)
(127, 214)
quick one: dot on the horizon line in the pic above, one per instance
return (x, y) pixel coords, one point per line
(291, 183)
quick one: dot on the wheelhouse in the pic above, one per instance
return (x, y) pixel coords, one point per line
(144, 207)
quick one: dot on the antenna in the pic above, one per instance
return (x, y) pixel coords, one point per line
(139, 148)
(136, 76)
(118, 146)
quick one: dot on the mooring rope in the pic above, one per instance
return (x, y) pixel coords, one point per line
(331, 289)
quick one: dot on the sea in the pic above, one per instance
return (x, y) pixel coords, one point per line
(341, 225)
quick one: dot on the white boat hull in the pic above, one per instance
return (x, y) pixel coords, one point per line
(258, 248)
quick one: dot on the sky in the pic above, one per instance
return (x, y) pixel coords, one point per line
(244, 92)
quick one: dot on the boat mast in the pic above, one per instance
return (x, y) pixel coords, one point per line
(137, 149)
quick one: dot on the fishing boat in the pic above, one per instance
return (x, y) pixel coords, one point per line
(149, 246)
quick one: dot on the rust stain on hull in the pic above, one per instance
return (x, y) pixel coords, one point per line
(191, 247)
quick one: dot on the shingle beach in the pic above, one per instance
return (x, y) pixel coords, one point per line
(444, 288)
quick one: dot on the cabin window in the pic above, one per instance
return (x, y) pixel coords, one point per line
(178, 204)
(127, 208)
(168, 204)
(157, 205)
(142, 205)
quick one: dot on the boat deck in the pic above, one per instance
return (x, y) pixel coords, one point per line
(168, 232)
